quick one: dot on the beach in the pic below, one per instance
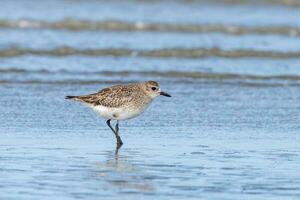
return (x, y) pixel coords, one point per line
(230, 130)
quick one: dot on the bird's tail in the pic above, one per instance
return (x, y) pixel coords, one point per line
(70, 97)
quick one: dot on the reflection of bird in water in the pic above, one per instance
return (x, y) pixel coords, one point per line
(119, 172)
(121, 102)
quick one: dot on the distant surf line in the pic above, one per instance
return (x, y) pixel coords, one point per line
(169, 52)
(117, 25)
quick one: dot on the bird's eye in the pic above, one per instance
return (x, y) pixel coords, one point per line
(153, 88)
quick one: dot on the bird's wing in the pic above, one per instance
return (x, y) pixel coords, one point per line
(115, 96)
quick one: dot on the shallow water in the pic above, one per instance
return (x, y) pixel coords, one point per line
(226, 141)
(230, 130)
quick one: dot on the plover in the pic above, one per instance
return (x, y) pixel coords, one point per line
(121, 102)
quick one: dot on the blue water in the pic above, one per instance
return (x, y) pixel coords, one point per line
(144, 40)
(230, 130)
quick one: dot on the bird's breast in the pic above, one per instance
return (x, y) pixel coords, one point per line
(120, 113)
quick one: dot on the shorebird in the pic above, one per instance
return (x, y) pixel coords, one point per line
(121, 102)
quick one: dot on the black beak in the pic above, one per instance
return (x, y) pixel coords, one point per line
(165, 94)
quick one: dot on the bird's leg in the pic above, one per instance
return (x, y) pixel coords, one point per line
(117, 127)
(108, 124)
(119, 141)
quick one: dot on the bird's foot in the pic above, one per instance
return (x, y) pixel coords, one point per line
(119, 141)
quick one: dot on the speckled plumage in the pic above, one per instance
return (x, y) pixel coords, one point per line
(116, 96)
(121, 102)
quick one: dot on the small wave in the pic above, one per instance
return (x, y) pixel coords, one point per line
(175, 81)
(81, 82)
(163, 74)
(288, 3)
(291, 3)
(172, 52)
(114, 25)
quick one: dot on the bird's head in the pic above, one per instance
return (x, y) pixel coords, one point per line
(152, 89)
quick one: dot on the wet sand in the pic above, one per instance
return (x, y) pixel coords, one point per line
(207, 141)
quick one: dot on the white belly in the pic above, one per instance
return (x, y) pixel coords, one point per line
(118, 113)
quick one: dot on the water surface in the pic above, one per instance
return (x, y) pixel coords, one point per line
(230, 130)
